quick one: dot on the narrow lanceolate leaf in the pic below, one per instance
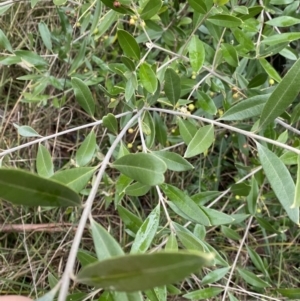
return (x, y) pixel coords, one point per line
(196, 53)
(148, 78)
(201, 141)
(83, 95)
(4, 42)
(172, 86)
(146, 233)
(187, 130)
(45, 35)
(151, 9)
(96, 16)
(144, 168)
(74, 178)
(270, 70)
(252, 279)
(198, 5)
(137, 189)
(283, 95)
(27, 189)
(283, 21)
(26, 131)
(138, 272)
(86, 150)
(184, 206)
(230, 54)
(247, 108)
(225, 21)
(44, 164)
(174, 161)
(281, 38)
(111, 123)
(128, 44)
(105, 245)
(280, 180)
(204, 294)
(296, 202)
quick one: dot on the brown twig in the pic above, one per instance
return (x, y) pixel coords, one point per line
(7, 228)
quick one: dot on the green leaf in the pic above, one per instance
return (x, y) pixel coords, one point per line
(247, 108)
(83, 95)
(144, 168)
(138, 272)
(85, 258)
(86, 150)
(132, 222)
(44, 163)
(241, 189)
(184, 206)
(201, 141)
(204, 294)
(27, 189)
(289, 158)
(188, 239)
(220, 2)
(148, 78)
(252, 197)
(196, 53)
(151, 9)
(96, 16)
(59, 2)
(290, 293)
(230, 54)
(230, 233)
(174, 161)
(106, 21)
(74, 178)
(206, 103)
(270, 70)
(225, 20)
(131, 85)
(283, 95)
(280, 180)
(4, 42)
(110, 122)
(191, 242)
(128, 63)
(137, 189)
(160, 129)
(4, 8)
(283, 21)
(128, 44)
(172, 86)
(215, 276)
(198, 5)
(31, 58)
(45, 35)
(258, 80)
(146, 233)
(187, 130)
(105, 245)
(217, 217)
(26, 131)
(252, 279)
(257, 261)
(171, 244)
(296, 202)
(281, 38)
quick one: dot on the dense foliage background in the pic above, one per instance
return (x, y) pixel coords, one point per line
(164, 130)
